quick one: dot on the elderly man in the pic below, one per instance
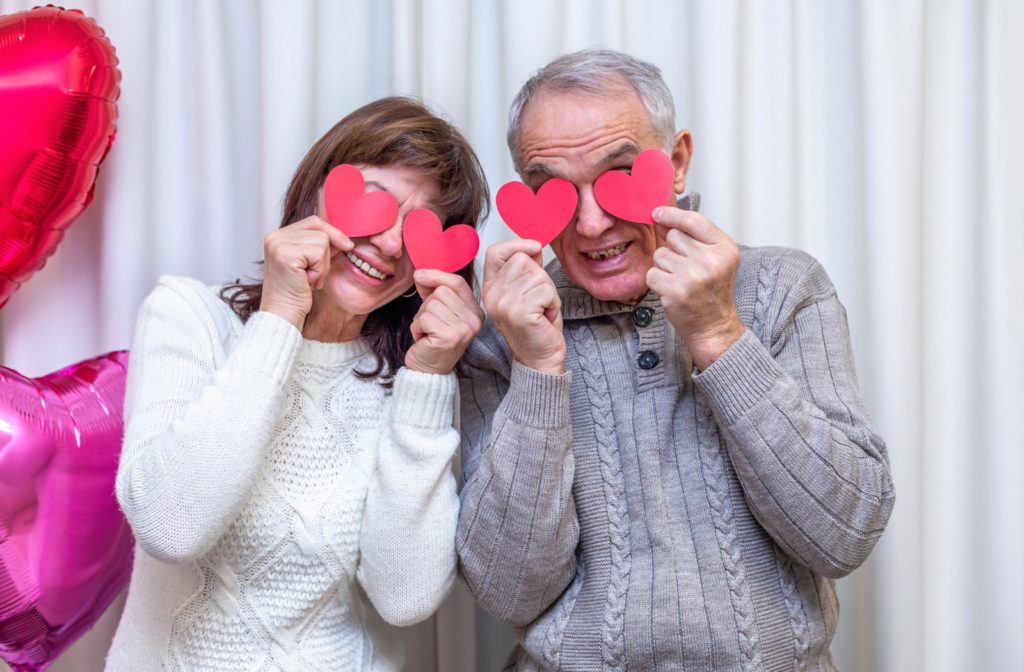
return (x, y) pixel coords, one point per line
(666, 458)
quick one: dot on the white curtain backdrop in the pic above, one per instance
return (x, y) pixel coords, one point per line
(883, 137)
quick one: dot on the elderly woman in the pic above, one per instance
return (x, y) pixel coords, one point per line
(287, 456)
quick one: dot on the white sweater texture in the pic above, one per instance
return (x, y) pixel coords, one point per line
(288, 514)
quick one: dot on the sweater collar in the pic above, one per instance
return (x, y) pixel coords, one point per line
(578, 304)
(332, 354)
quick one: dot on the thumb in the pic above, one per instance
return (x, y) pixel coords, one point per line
(426, 282)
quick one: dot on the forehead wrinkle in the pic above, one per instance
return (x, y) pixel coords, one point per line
(536, 159)
(625, 149)
(596, 138)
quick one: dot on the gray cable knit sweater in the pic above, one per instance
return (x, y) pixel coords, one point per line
(633, 514)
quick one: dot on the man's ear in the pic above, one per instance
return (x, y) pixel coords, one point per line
(682, 151)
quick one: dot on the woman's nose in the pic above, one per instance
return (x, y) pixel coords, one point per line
(389, 241)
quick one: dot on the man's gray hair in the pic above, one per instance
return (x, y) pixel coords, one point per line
(590, 72)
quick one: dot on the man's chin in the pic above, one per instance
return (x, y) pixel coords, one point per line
(628, 293)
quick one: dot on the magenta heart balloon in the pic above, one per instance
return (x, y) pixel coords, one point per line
(65, 547)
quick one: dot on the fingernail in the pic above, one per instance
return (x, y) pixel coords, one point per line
(658, 212)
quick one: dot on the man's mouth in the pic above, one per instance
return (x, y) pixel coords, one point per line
(607, 253)
(366, 268)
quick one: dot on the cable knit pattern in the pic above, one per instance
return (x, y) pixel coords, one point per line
(795, 607)
(767, 279)
(615, 496)
(716, 478)
(764, 457)
(345, 493)
(553, 635)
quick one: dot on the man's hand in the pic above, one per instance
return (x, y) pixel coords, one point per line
(694, 273)
(447, 321)
(523, 302)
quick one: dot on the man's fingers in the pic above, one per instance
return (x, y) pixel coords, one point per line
(658, 280)
(499, 253)
(693, 224)
(513, 271)
(517, 285)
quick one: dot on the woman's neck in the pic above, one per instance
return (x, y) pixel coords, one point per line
(331, 324)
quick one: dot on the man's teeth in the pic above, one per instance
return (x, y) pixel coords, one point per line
(365, 267)
(610, 252)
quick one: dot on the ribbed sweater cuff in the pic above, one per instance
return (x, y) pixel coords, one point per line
(739, 378)
(537, 399)
(268, 346)
(423, 399)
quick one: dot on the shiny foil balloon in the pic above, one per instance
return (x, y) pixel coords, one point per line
(65, 547)
(58, 84)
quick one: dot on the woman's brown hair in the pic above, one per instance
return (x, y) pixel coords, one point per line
(392, 131)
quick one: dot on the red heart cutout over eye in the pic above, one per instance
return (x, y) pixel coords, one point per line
(633, 197)
(429, 246)
(352, 209)
(58, 85)
(540, 217)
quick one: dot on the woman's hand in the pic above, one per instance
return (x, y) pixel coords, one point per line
(296, 259)
(447, 321)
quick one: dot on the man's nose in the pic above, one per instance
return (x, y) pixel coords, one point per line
(389, 241)
(591, 220)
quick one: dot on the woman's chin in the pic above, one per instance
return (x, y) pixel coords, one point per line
(356, 299)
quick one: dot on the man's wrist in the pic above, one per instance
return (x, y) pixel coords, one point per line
(550, 366)
(708, 346)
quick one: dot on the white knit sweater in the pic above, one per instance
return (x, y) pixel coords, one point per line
(285, 511)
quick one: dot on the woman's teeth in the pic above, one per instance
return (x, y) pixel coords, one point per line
(365, 267)
(610, 252)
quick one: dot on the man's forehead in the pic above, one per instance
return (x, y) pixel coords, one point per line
(604, 129)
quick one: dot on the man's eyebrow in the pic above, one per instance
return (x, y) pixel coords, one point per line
(537, 170)
(626, 149)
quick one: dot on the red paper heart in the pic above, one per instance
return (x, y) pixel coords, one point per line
(540, 217)
(65, 547)
(430, 247)
(352, 209)
(633, 197)
(58, 85)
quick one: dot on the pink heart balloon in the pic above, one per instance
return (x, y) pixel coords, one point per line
(58, 84)
(65, 547)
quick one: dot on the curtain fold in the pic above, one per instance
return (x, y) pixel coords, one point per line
(884, 138)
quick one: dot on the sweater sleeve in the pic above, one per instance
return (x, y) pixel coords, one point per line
(196, 431)
(407, 543)
(813, 471)
(518, 529)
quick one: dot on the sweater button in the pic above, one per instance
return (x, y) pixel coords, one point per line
(642, 316)
(648, 359)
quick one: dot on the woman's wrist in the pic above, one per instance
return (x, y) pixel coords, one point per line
(291, 314)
